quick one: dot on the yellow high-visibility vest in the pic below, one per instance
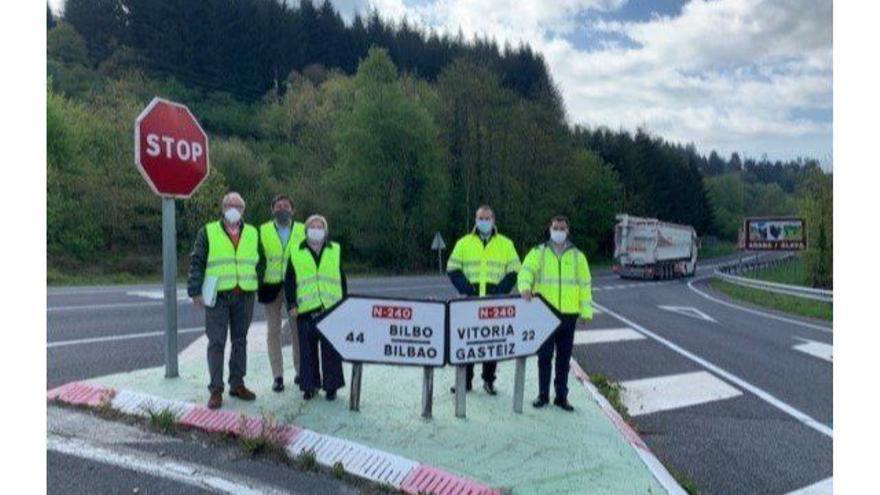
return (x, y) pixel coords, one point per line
(317, 286)
(233, 266)
(484, 264)
(278, 255)
(564, 281)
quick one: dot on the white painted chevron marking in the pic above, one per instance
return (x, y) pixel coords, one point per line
(662, 393)
(820, 350)
(606, 335)
(689, 311)
(824, 487)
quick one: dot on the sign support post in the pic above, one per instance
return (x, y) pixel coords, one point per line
(460, 391)
(356, 374)
(519, 380)
(427, 392)
(171, 153)
(169, 275)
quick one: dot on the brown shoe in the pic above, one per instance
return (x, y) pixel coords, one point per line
(215, 401)
(242, 393)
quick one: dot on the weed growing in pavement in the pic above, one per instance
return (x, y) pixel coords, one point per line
(338, 470)
(611, 391)
(164, 420)
(270, 438)
(307, 461)
(684, 481)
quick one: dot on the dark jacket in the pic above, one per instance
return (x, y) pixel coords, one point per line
(466, 288)
(290, 276)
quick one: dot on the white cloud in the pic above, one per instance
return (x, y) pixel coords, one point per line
(727, 74)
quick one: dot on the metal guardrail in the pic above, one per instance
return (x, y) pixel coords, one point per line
(755, 263)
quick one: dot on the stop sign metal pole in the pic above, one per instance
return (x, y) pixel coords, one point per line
(169, 275)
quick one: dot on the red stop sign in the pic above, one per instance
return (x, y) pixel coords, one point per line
(170, 149)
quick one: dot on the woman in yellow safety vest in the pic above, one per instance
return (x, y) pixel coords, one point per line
(315, 283)
(559, 272)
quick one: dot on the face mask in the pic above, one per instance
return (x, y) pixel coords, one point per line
(232, 215)
(316, 235)
(484, 226)
(558, 236)
(283, 217)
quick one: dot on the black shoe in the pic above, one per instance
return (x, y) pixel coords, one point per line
(563, 403)
(468, 388)
(331, 395)
(308, 395)
(489, 387)
(278, 386)
(296, 380)
(540, 402)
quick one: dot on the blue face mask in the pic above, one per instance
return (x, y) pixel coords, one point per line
(484, 226)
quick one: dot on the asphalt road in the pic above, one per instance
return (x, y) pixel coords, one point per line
(738, 400)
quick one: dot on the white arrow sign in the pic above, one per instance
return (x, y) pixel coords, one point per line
(498, 328)
(438, 242)
(689, 311)
(391, 331)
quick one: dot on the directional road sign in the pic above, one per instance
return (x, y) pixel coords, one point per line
(384, 330)
(498, 328)
(438, 243)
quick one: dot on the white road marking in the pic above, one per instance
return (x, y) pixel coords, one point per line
(157, 294)
(606, 335)
(662, 393)
(824, 487)
(195, 475)
(755, 312)
(689, 311)
(730, 377)
(113, 338)
(104, 306)
(820, 350)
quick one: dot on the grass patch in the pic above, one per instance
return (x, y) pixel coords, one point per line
(611, 391)
(717, 249)
(684, 481)
(785, 303)
(164, 420)
(792, 272)
(307, 461)
(269, 440)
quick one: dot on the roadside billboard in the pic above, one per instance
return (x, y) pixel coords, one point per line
(775, 234)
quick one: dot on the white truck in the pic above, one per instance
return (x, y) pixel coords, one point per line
(650, 249)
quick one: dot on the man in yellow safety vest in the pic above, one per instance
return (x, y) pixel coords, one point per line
(558, 271)
(277, 236)
(483, 263)
(224, 263)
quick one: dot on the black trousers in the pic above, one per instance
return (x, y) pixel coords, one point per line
(562, 342)
(327, 373)
(488, 374)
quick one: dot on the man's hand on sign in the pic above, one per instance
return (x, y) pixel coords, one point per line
(527, 295)
(198, 301)
(292, 312)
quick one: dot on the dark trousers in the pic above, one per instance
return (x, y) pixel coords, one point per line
(327, 373)
(562, 341)
(232, 314)
(488, 374)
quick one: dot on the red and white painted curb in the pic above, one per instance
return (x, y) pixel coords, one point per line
(654, 465)
(383, 467)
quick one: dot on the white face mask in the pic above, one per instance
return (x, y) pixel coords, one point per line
(558, 236)
(232, 215)
(316, 235)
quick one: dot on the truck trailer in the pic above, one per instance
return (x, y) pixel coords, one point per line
(647, 248)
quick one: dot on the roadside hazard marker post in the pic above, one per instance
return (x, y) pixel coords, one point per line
(387, 331)
(171, 153)
(438, 244)
(497, 329)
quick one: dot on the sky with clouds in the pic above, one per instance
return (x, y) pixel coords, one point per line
(753, 76)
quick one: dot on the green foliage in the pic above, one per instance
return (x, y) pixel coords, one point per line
(816, 205)
(611, 391)
(164, 420)
(788, 304)
(733, 199)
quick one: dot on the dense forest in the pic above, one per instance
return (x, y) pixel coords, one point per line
(393, 132)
